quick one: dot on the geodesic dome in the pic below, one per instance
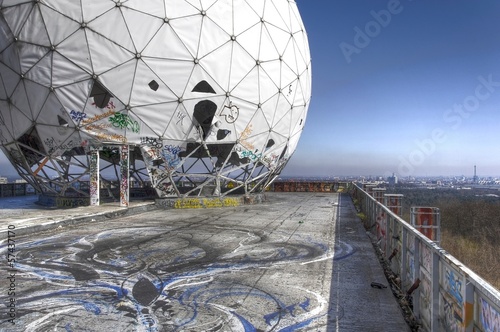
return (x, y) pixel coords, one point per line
(211, 95)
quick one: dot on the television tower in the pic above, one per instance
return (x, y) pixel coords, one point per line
(474, 179)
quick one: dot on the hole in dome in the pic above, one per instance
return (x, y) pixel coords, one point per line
(154, 85)
(31, 147)
(204, 87)
(270, 143)
(222, 133)
(62, 121)
(204, 113)
(100, 94)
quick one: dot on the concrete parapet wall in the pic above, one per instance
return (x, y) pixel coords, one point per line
(449, 296)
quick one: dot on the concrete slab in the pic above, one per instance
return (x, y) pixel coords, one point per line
(298, 262)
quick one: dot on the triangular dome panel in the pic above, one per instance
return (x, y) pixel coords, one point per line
(217, 66)
(18, 120)
(250, 38)
(181, 125)
(71, 9)
(10, 80)
(19, 99)
(95, 9)
(30, 55)
(10, 57)
(245, 16)
(241, 64)
(166, 44)
(151, 7)
(65, 72)
(188, 30)
(277, 16)
(158, 116)
(37, 96)
(117, 33)
(100, 48)
(56, 139)
(72, 98)
(34, 30)
(173, 74)
(180, 9)
(6, 134)
(141, 33)
(248, 86)
(56, 34)
(16, 16)
(148, 88)
(76, 50)
(120, 80)
(216, 37)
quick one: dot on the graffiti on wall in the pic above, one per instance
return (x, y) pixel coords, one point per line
(161, 160)
(453, 285)
(124, 175)
(452, 300)
(170, 154)
(426, 256)
(489, 317)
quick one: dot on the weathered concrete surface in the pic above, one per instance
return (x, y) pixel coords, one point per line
(298, 262)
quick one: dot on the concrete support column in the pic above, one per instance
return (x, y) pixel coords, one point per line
(94, 178)
(124, 176)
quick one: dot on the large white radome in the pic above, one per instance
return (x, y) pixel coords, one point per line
(211, 94)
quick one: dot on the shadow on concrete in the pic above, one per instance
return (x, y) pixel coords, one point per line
(354, 304)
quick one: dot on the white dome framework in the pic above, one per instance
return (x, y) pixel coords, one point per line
(211, 96)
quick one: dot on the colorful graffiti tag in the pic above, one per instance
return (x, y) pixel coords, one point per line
(195, 203)
(490, 318)
(452, 299)
(124, 175)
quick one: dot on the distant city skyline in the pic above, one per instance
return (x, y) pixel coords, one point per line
(405, 87)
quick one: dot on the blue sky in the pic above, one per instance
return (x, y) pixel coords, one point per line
(409, 86)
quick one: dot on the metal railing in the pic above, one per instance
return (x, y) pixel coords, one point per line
(449, 296)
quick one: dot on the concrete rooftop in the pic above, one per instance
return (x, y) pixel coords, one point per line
(297, 262)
